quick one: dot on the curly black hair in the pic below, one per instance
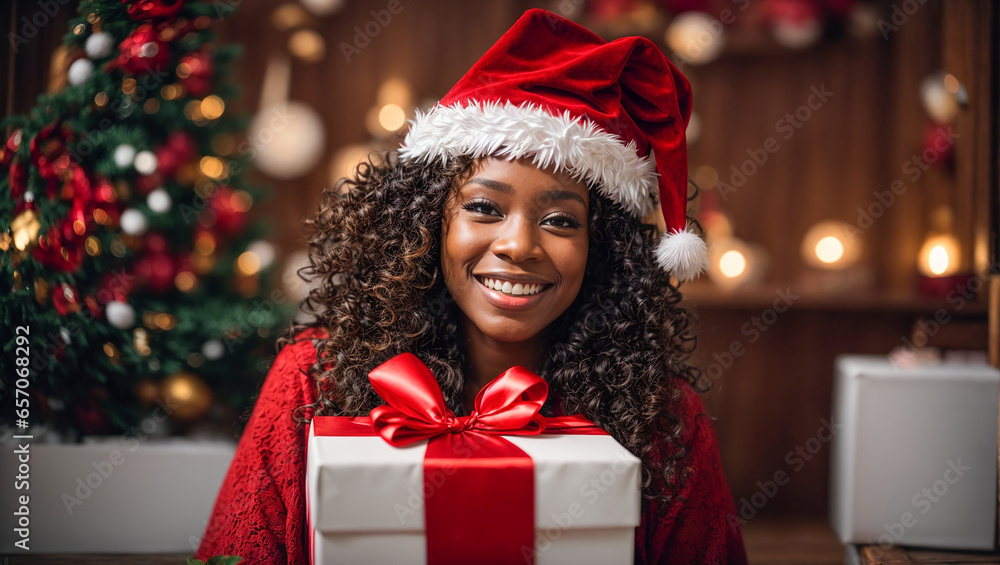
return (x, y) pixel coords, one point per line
(616, 355)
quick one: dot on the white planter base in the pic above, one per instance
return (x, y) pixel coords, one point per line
(120, 496)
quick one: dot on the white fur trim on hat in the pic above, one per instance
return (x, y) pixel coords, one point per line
(682, 253)
(571, 144)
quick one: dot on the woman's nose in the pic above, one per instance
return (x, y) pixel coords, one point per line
(517, 240)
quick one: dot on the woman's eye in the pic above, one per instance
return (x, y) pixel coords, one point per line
(479, 207)
(564, 222)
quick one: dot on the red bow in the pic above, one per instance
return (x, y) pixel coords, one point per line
(415, 408)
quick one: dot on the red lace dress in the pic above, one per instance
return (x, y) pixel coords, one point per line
(260, 511)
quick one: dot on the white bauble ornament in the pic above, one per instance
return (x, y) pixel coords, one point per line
(65, 335)
(323, 7)
(264, 251)
(145, 163)
(98, 45)
(159, 201)
(134, 222)
(213, 349)
(289, 139)
(124, 155)
(80, 71)
(941, 104)
(696, 37)
(28, 196)
(797, 35)
(120, 314)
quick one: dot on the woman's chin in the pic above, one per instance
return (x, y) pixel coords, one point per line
(509, 333)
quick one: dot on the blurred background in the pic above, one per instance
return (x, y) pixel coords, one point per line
(844, 151)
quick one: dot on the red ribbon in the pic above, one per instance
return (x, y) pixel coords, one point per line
(481, 507)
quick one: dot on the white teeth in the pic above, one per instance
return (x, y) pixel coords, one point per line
(515, 289)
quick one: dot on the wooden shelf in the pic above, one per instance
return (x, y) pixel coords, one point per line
(702, 295)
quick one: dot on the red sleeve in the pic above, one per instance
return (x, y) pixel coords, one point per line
(259, 513)
(700, 524)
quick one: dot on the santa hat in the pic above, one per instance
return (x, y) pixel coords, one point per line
(609, 113)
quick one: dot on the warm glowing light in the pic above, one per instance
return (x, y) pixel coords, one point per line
(248, 263)
(212, 107)
(395, 91)
(212, 167)
(205, 243)
(939, 256)
(307, 45)
(241, 201)
(732, 263)
(829, 249)
(25, 227)
(193, 110)
(938, 260)
(827, 245)
(181, 390)
(185, 281)
(391, 117)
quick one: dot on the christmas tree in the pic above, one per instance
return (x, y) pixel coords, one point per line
(136, 282)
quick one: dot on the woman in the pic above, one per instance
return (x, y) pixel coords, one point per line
(509, 230)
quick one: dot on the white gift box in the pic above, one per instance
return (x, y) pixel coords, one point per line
(366, 502)
(113, 495)
(915, 460)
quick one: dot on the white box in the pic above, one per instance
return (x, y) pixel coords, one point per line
(915, 462)
(355, 486)
(114, 496)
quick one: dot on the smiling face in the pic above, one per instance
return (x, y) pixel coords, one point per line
(514, 247)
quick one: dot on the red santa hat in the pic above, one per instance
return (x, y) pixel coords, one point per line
(609, 113)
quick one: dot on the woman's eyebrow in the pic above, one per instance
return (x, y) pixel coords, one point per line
(549, 195)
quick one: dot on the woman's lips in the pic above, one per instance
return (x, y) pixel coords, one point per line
(511, 302)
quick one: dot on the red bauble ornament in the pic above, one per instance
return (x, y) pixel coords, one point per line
(77, 224)
(938, 146)
(18, 180)
(57, 253)
(195, 72)
(66, 299)
(228, 219)
(176, 152)
(148, 183)
(153, 9)
(156, 270)
(8, 150)
(117, 285)
(143, 51)
(156, 243)
(50, 156)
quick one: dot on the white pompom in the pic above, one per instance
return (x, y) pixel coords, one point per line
(323, 7)
(98, 45)
(145, 163)
(120, 314)
(133, 222)
(124, 155)
(65, 335)
(212, 349)
(682, 253)
(159, 201)
(80, 71)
